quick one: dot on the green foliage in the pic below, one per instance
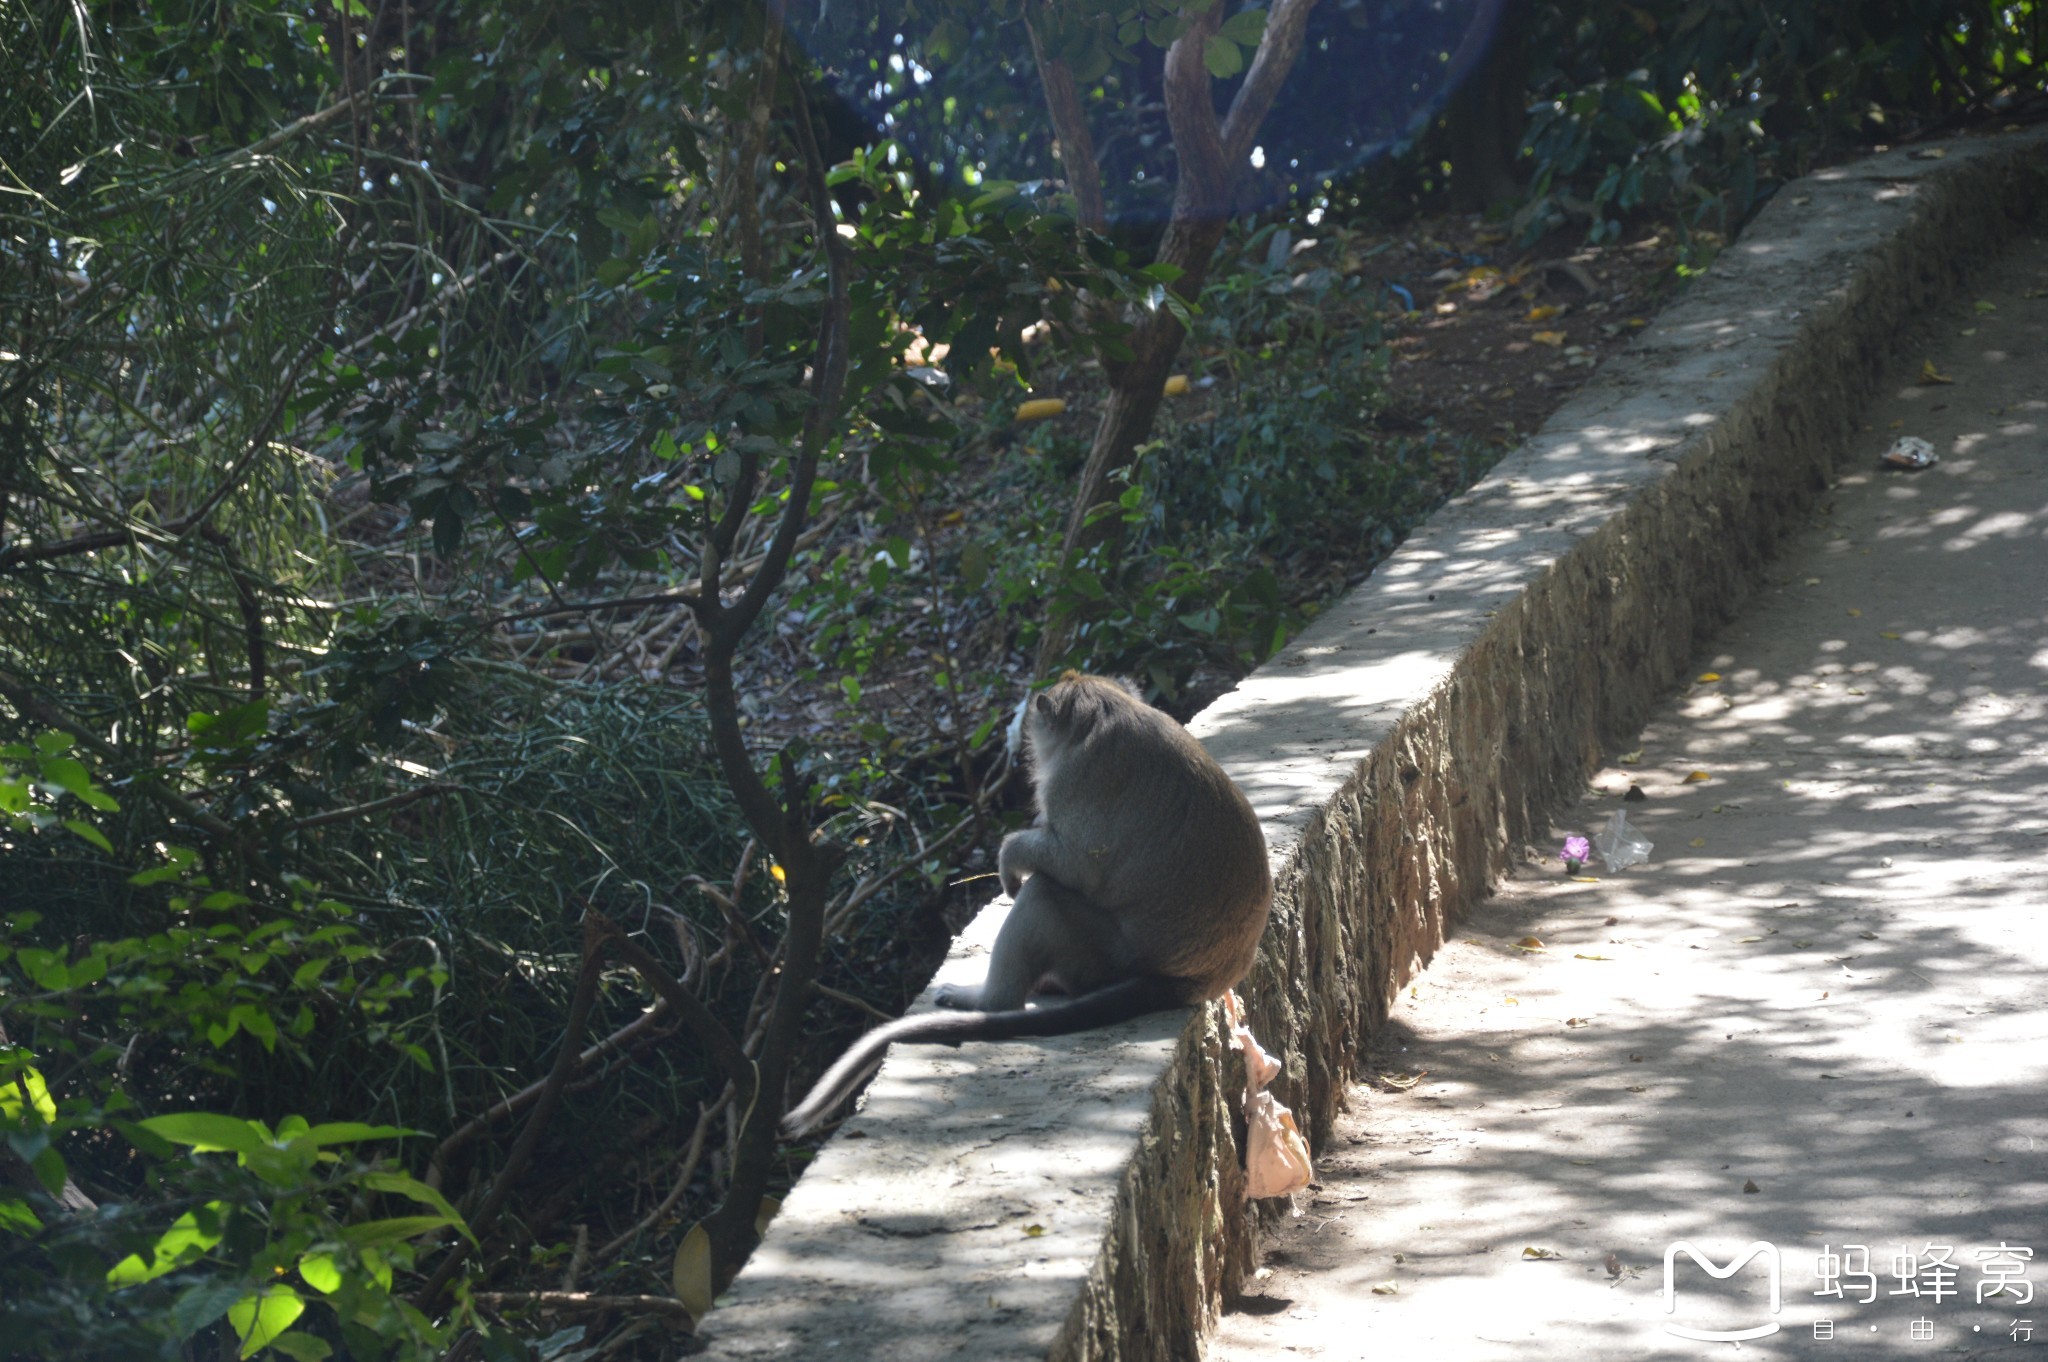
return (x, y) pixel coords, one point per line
(1698, 110)
(200, 1241)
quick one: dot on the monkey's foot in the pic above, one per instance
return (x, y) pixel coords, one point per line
(958, 997)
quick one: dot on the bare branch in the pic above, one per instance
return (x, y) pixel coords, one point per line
(1070, 126)
(686, 1169)
(374, 806)
(723, 1047)
(1286, 25)
(529, 1094)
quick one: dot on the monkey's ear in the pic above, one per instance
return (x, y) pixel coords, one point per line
(1042, 703)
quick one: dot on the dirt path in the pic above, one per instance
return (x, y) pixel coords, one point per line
(1817, 1018)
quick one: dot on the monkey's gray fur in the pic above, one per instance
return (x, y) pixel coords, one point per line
(1142, 886)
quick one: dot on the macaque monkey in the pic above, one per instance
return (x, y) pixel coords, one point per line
(1142, 886)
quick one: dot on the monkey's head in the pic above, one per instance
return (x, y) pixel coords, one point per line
(1072, 707)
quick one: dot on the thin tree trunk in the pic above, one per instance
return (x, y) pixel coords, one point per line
(1210, 156)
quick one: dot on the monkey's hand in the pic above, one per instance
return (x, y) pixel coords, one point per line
(959, 997)
(1020, 855)
(1008, 865)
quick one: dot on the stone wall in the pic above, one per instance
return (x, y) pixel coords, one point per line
(1081, 1198)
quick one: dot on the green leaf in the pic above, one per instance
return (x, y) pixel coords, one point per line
(16, 1217)
(49, 1166)
(1223, 57)
(202, 1305)
(320, 1273)
(260, 1318)
(393, 1231)
(39, 1099)
(208, 1132)
(1245, 27)
(305, 1347)
(189, 1237)
(349, 1132)
(400, 1185)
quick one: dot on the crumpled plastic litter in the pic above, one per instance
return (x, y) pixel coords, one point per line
(1620, 845)
(1911, 453)
(1276, 1156)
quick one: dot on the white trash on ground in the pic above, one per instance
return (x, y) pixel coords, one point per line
(1620, 845)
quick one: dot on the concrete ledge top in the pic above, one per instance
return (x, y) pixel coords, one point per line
(994, 1202)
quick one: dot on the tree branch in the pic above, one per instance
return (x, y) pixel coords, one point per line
(689, 598)
(527, 1095)
(1286, 25)
(1070, 126)
(374, 806)
(718, 1041)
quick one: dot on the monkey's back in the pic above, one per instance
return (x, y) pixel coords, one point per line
(1172, 848)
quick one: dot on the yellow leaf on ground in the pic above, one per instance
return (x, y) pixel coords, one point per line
(1930, 374)
(1696, 778)
(1887, 633)
(1385, 1289)
(1548, 338)
(1699, 841)
(1038, 408)
(1544, 313)
(1176, 385)
(1533, 1252)
(1530, 943)
(1708, 678)
(1855, 613)
(690, 1275)
(1630, 758)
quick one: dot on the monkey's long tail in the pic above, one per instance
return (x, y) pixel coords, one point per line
(1104, 1007)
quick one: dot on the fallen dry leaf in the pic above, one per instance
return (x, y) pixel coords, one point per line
(1707, 678)
(1544, 313)
(1535, 1253)
(1888, 633)
(1699, 841)
(1695, 778)
(1590, 957)
(1750, 1187)
(1855, 612)
(1386, 1289)
(1530, 943)
(1930, 374)
(1630, 758)
(1552, 338)
(1033, 1231)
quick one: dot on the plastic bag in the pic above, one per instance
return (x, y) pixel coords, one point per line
(1276, 1156)
(1620, 845)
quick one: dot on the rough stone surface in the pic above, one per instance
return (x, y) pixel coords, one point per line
(1081, 1198)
